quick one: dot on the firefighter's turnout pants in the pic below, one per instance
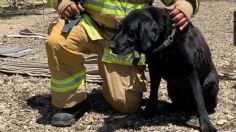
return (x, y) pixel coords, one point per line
(123, 84)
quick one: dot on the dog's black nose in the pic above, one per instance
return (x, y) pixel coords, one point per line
(112, 46)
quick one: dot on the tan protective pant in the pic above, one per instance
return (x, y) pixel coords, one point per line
(123, 85)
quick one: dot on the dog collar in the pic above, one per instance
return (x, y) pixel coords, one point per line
(167, 42)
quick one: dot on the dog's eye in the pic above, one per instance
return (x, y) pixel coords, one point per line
(131, 35)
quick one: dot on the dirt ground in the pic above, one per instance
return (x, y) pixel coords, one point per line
(25, 100)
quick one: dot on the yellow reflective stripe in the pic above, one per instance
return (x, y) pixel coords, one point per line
(112, 7)
(119, 3)
(115, 4)
(142, 60)
(105, 11)
(69, 79)
(64, 85)
(116, 61)
(122, 62)
(109, 60)
(129, 55)
(109, 51)
(69, 83)
(90, 29)
(113, 58)
(127, 59)
(66, 89)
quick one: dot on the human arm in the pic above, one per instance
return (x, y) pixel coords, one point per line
(68, 8)
(182, 11)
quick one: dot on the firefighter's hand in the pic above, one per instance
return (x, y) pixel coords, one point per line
(72, 10)
(178, 18)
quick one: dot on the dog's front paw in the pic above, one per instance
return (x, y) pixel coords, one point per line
(208, 128)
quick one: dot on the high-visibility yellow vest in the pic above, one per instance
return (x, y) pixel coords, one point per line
(111, 7)
(107, 13)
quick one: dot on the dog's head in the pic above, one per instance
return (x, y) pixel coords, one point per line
(139, 30)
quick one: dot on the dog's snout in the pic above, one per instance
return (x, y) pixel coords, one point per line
(112, 46)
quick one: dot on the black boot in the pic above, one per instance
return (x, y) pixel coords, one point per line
(68, 116)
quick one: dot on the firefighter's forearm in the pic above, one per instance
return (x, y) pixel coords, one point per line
(187, 7)
(62, 4)
(195, 4)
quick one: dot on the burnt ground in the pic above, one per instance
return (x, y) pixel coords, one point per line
(25, 100)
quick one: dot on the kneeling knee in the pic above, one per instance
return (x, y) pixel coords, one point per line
(129, 105)
(125, 107)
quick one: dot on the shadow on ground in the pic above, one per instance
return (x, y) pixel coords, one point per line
(113, 120)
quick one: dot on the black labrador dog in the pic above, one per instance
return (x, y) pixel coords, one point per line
(182, 58)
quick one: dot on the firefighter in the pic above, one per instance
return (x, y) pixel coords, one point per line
(68, 44)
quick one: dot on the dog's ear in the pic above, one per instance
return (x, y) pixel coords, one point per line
(149, 34)
(153, 32)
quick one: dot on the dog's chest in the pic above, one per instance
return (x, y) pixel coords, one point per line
(170, 65)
